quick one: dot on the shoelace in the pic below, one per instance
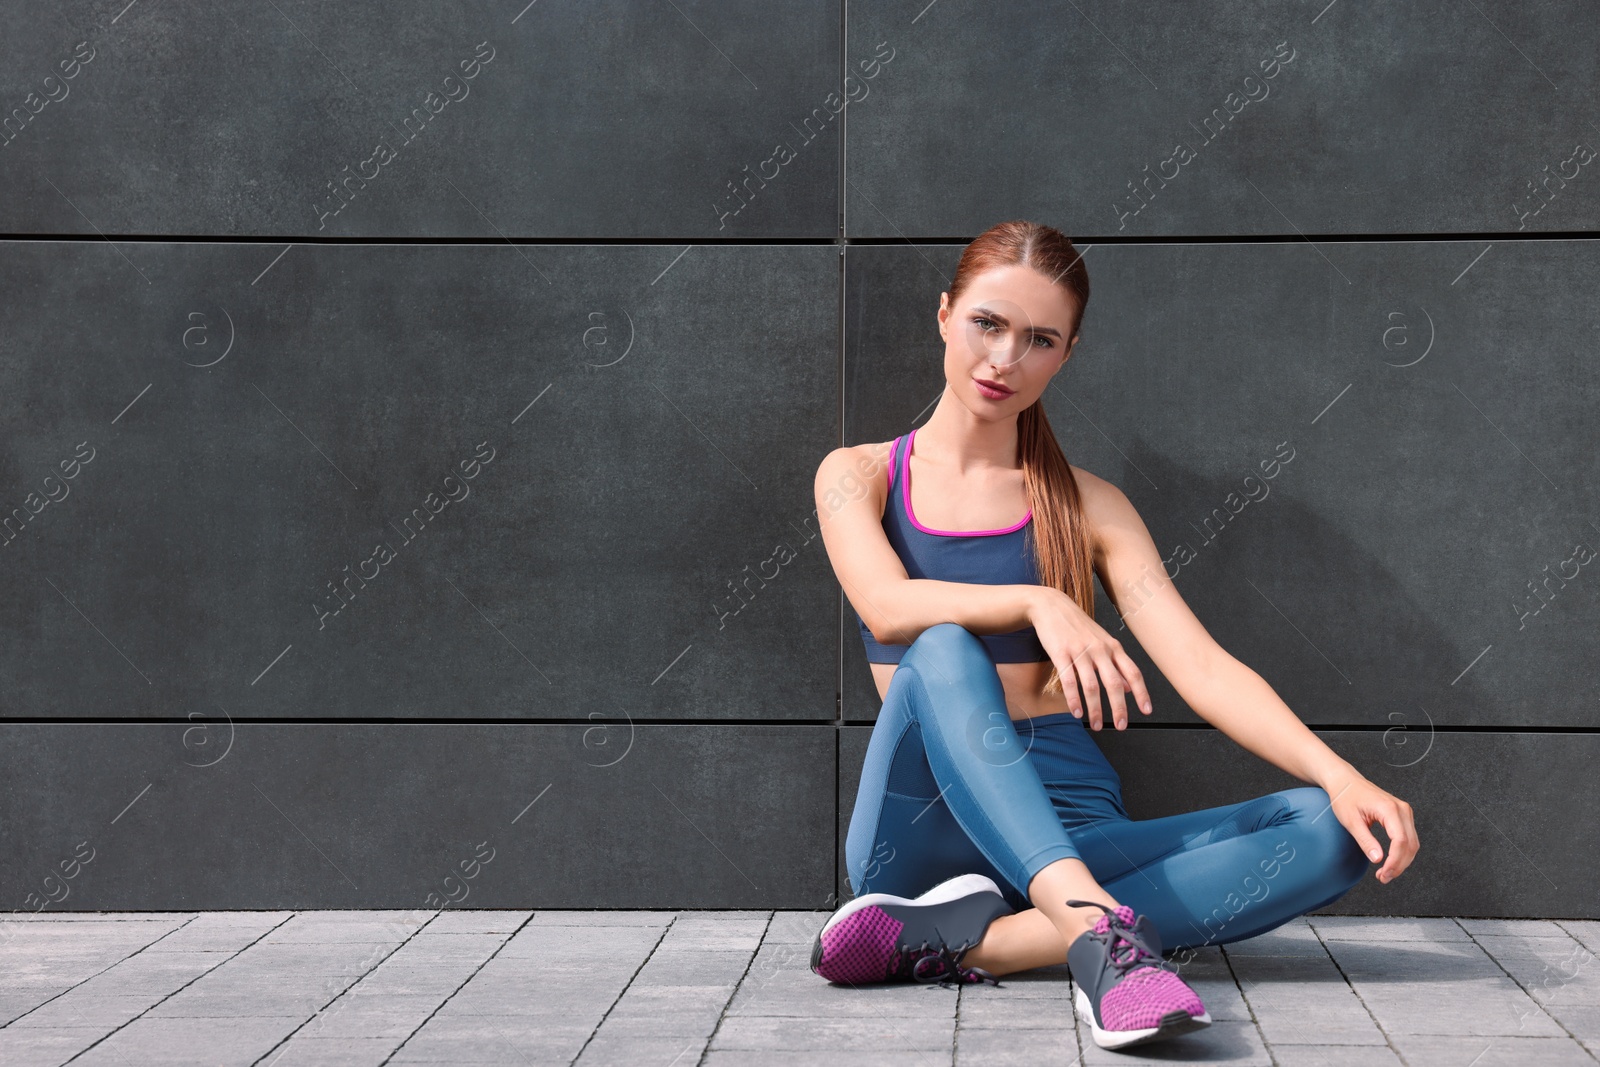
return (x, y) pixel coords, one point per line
(1123, 949)
(942, 965)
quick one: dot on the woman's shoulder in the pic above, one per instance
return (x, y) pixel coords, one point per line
(868, 456)
(855, 464)
(1104, 504)
(1091, 484)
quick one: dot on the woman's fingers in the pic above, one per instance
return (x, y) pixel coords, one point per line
(1132, 675)
(1084, 664)
(1116, 694)
(1069, 687)
(1364, 837)
(1372, 805)
(1100, 662)
(1397, 823)
(1120, 677)
(1411, 824)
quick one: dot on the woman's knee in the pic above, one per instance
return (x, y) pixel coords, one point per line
(954, 670)
(947, 643)
(1334, 847)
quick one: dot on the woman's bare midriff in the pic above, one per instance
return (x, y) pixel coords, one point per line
(1022, 683)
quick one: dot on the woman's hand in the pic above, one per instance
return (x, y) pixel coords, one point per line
(1080, 648)
(1358, 804)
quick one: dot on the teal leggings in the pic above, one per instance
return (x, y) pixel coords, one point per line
(952, 785)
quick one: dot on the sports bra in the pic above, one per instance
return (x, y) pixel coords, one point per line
(985, 557)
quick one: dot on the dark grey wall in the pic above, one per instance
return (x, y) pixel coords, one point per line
(563, 365)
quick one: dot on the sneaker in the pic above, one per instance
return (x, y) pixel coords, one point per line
(882, 938)
(1125, 993)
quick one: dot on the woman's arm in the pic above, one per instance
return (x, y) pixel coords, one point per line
(1222, 690)
(851, 488)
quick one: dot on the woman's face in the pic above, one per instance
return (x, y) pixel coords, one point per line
(1009, 327)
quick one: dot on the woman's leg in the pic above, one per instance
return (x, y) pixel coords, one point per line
(947, 788)
(1206, 877)
(1227, 873)
(902, 838)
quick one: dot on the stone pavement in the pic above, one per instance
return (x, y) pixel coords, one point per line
(726, 989)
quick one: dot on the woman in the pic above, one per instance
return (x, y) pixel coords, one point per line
(982, 792)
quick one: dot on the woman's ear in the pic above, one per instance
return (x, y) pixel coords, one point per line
(1071, 348)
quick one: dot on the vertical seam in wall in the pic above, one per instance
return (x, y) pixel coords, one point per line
(844, 112)
(839, 240)
(834, 890)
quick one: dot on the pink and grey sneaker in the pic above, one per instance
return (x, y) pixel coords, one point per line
(883, 938)
(1124, 992)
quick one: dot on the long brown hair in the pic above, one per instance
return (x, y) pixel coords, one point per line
(1060, 534)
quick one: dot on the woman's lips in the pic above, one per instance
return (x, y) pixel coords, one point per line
(992, 392)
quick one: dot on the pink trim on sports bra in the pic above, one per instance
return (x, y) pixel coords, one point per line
(905, 495)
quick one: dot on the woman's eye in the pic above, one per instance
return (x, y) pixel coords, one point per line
(984, 324)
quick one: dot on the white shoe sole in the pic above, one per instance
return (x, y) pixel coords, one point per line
(1124, 1038)
(952, 889)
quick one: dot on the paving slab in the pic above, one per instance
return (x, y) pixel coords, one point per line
(42, 1047)
(358, 931)
(1335, 1056)
(1517, 927)
(16, 1002)
(1304, 1000)
(172, 1041)
(1385, 929)
(491, 1041)
(601, 918)
(1015, 1013)
(71, 1010)
(479, 922)
(1008, 1047)
(1585, 930)
(1051, 982)
(114, 916)
(836, 1058)
(824, 1034)
(1420, 961)
(1296, 938)
(229, 939)
(1233, 1043)
(1468, 1006)
(796, 927)
(837, 1002)
(1565, 953)
(614, 1050)
(387, 1017)
(1455, 1051)
(333, 1052)
(429, 947)
(391, 978)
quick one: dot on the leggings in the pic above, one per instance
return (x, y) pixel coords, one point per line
(952, 785)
